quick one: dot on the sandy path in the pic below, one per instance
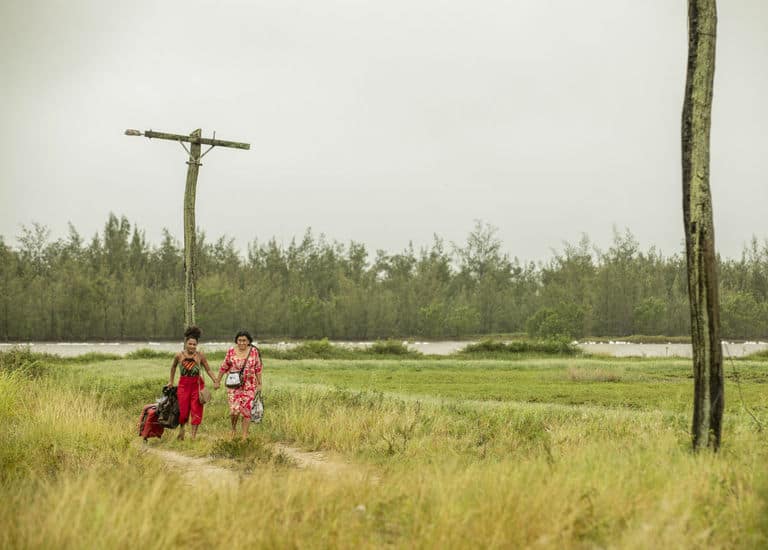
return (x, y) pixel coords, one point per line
(195, 469)
(322, 462)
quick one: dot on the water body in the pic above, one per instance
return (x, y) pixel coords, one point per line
(613, 349)
(625, 349)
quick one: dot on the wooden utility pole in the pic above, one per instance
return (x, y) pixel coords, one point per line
(708, 400)
(195, 141)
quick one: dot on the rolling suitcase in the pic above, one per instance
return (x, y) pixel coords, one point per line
(148, 425)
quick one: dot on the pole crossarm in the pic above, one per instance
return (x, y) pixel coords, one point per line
(151, 134)
(195, 140)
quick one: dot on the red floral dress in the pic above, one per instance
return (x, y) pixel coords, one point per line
(241, 399)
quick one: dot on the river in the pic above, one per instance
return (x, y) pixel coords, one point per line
(613, 349)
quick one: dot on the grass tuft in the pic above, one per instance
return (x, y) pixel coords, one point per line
(23, 361)
(392, 347)
(575, 374)
(145, 353)
(496, 349)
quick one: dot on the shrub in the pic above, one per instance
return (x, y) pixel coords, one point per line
(311, 349)
(390, 347)
(320, 349)
(22, 360)
(323, 349)
(494, 348)
(486, 345)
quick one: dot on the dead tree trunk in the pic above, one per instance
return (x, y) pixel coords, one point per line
(699, 228)
(195, 139)
(189, 231)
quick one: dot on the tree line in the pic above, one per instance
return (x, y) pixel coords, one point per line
(119, 286)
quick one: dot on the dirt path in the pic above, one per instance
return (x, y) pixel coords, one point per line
(196, 469)
(317, 460)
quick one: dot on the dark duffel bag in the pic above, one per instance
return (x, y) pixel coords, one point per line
(168, 408)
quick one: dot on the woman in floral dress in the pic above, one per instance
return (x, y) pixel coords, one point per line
(243, 357)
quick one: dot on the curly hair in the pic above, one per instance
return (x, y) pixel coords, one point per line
(192, 332)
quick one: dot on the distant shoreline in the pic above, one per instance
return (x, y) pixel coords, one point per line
(615, 348)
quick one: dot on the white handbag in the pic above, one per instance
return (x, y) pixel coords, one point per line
(235, 379)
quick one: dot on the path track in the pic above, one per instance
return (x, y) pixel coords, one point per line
(195, 469)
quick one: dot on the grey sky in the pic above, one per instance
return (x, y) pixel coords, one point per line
(378, 121)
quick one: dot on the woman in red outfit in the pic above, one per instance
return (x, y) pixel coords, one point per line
(244, 357)
(190, 380)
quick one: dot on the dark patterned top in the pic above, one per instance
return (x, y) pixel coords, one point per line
(190, 366)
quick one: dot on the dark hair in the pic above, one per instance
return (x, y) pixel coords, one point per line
(192, 332)
(246, 334)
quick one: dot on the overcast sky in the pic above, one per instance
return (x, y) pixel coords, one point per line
(378, 121)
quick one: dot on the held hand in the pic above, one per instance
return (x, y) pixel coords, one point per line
(216, 385)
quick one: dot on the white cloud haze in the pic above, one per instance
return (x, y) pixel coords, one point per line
(378, 121)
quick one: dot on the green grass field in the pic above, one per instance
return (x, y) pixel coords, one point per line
(449, 453)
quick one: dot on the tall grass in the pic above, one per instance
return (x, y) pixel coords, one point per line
(756, 356)
(434, 472)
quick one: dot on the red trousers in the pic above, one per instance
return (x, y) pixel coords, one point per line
(189, 402)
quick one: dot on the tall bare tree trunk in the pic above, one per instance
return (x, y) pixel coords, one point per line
(699, 228)
(190, 263)
(195, 140)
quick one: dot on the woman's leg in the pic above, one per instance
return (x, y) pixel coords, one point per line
(195, 408)
(233, 409)
(183, 393)
(246, 407)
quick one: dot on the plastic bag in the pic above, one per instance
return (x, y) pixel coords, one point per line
(257, 408)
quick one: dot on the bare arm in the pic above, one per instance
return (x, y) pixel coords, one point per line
(225, 365)
(207, 367)
(173, 368)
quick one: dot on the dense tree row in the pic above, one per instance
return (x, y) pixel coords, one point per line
(118, 286)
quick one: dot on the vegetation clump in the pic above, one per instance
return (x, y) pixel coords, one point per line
(145, 353)
(391, 347)
(757, 356)
(23, 361)
(494, 348)
(323, 349)
(311, 349)
(23, 358)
